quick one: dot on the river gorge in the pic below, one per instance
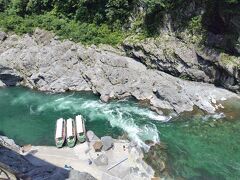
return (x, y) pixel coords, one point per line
(153, 92)
(199, 145)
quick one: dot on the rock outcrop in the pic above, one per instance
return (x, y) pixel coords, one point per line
(175, 57)
(9, 143)
(61, 66)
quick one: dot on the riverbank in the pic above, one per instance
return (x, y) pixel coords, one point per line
(78, 159)
(122, 160)
(190, 140)
(13, 165)
(41, 61)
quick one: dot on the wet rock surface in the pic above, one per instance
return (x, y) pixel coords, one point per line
(58, 66)
(159, 152)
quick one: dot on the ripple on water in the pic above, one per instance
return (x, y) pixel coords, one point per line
(123, 115)
(197, 147)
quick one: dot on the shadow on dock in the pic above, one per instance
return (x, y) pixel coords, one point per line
(19, 167)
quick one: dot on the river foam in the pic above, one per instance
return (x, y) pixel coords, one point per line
(120, 114)
(197, 150)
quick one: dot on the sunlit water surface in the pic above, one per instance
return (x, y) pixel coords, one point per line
(199, 147)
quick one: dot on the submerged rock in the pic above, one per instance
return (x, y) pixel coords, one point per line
(157, 152)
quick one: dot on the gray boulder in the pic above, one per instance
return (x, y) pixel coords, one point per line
(107, 142)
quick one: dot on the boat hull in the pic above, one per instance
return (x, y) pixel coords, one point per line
(72, 138)
(71, 142)
(80, 128)
(60, 142)
(81, 138)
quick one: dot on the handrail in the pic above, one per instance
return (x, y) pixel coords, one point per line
(117, 164)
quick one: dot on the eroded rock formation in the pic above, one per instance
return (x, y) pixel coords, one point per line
(57, 66)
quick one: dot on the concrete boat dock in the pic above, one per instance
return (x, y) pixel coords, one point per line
(122, 161)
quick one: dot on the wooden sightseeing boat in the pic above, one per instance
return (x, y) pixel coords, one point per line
(60, 134)
(80, 129)
(71, 133)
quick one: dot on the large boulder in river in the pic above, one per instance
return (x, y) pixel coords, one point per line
(107, 142)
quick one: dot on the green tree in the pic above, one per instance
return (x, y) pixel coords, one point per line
(118, 11)
(39, 6)
(18, 7)
(4, 4)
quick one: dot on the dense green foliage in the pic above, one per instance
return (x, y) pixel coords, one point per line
(107, 21)
(95, 21)
(79, 32)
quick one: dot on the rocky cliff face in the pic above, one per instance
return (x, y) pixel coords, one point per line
(219, 21)
(48, 64)
(178, 58)
(196, 40)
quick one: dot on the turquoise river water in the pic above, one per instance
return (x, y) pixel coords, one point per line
(199, 146)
